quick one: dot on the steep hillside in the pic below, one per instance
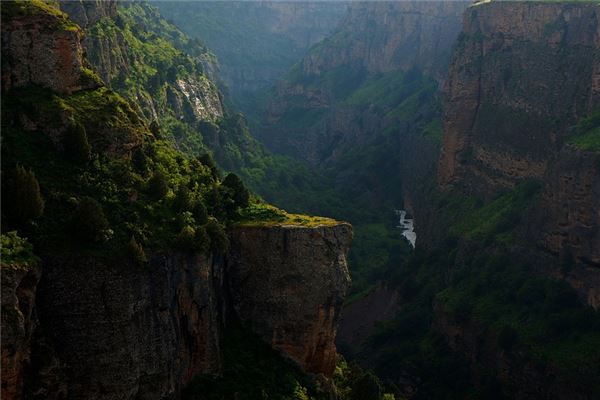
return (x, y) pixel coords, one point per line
(256, 42)
(125, 262)
(378, 69)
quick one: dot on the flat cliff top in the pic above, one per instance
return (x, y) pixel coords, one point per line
(260, 214)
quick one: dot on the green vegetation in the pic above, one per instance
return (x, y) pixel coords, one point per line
(22, 199)
(16, 251)
(252, 370)
(586, 134)
(496, 221)
(262, 214)
(479, 281)
(19, 8)
(136, 252)
(76, 144)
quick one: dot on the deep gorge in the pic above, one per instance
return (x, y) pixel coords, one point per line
(162, 164)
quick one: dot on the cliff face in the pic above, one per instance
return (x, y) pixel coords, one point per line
(522, 75)
(117, 43)
(523, 376)
(42, 49)
(111, 330)
(390, 36)
(289, 283)
(122, 332)
(18, 324)
(256, 42)
(374, 45)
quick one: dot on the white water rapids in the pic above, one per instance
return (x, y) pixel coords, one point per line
(407, 226)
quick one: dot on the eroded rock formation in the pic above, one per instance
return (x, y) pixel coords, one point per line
(289, 284)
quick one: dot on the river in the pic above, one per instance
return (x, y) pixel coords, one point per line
(407, 226)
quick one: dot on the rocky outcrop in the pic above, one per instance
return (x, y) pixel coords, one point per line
(87, 13)
(18, 323)
(114, 51)
(289, 283)
(522, 73)
(113, 330)
(41, 49)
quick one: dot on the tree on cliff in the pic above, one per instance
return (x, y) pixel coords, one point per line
(77, 147)
(158, 186)
(22, 196)
(219, 243)
(89, 222)
(241, 195)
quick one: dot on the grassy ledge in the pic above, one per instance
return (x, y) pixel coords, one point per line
(261, 214)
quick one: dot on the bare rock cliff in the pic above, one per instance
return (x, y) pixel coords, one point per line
(523, 74)
(42, 49)
(18, 323)
(289, 283)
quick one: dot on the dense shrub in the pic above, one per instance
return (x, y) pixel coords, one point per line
(218, 238)
(76, 144)
(89, 222)
(239, 192)
(136, 252)
(201, 240)
(22, 196)
(183, 201)
(200, 213)
(185, 240)
(158, 186)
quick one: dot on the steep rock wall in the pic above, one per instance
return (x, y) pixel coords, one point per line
(313, 115)
(113, 49)
(18, 323)
(521, 74)
(41, 49)
(123, 332)
(289, 283)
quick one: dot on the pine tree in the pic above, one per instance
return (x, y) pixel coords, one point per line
(200, 213)
(157, 185)
(241, 195)
(182, 200)
(219, 243)
(76, 144)
(23, 198)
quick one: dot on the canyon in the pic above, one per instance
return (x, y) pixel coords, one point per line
(479, 120)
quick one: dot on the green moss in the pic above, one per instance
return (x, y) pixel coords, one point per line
(20, 8)
(17, 252)
(499, 218)
(586, 134)
(252, 370)
(261, 214)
